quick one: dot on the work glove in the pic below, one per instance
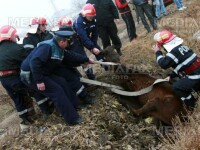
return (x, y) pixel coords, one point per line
(25, 76)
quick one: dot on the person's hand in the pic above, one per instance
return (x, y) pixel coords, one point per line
(168, 78)
(155, 48)
(96, 51)
(41, 86)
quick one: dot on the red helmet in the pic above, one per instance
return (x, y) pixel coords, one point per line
(39, 21)
(88, 10)
(163, 37)
(7, 32)
(64, 21)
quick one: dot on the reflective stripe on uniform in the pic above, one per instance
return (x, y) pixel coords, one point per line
(184, 63)
(80, 90)
(159, 57)
(172, 57)
(28, 46)
(186, 98)
(193, 76)
(42, 101)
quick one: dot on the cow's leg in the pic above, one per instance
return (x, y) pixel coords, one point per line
(149, 106)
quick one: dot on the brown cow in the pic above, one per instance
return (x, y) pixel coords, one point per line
(161, 102)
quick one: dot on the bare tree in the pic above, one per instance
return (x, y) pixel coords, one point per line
(78, 4)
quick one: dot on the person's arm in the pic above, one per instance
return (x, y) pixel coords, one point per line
(80, 29)
(164, 62)
(28, 43)
(40, 57)
(74, 58)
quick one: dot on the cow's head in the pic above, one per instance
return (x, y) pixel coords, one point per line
(110, 54)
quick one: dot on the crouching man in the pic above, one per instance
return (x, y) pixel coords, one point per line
(38, 72)
(185, 64)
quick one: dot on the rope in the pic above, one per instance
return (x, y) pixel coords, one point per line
(140, 92)
(119, 90)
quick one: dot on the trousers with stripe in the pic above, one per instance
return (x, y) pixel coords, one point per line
(18, 93)
(59, 91)
(184, 87)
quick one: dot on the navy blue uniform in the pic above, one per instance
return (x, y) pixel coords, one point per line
(182, 58)
(87, 31)
(32, 40)
(107, 29)
(43, 62)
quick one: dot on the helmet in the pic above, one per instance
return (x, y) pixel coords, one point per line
(35, 24)
(163, 37)
(88, 10)
(38, 21)
(64, 21)
(7, 32)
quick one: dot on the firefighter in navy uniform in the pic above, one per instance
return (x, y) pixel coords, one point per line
(74, 56)
(11, 57)
(42, 64)
(85, 27)
(36, 33)
(106, 13)
(183, 61)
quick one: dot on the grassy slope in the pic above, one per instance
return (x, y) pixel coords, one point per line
(107, 124)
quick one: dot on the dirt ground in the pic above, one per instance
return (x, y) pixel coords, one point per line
(107, 124)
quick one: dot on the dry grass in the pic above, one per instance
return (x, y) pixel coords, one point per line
(108, 125)
(185, 136)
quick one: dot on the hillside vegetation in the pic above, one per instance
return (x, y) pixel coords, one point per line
(107, 124)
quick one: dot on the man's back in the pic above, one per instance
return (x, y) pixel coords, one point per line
(106, 11)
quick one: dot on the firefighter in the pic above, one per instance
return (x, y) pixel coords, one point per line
(39, 72)
(36, 33)
(11, 57)
(106, 13)
(70, 62)
(183, 61)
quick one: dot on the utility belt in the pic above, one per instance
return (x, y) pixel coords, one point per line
(193, 66)
(8, 72)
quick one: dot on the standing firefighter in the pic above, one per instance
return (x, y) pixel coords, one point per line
(42, 64)
(11, 57)
(183, 60)
(125, 12)
(106, 13)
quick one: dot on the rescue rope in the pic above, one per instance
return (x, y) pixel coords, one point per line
(140, 92)
(106, 63)
(119, 90)
(94, 82)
